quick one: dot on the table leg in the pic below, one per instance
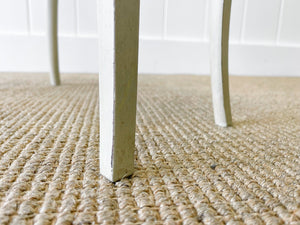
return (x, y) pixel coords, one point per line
(220, 19)
(118, 53)
(52, 42)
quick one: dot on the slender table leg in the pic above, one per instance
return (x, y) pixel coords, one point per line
(220, 19)
(52, 42)
(118, 53)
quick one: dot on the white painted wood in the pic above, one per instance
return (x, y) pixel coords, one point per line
(24, 53)
(118, 42)
(157, 57)
(261, 21)
(87, 17)
(290, 24)
(261, 18)
(13, 17)
(52, 42)
(67, 13)
(151, 25)
(68, 18)
(236, 20)
(38, 15)
(220, 19)
(78, 49)
(186, 18)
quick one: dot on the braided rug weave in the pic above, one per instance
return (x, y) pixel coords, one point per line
(187, 170)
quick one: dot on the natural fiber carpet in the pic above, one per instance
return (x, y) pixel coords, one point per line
(188, 171)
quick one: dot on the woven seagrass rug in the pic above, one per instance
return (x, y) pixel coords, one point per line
(187, 170)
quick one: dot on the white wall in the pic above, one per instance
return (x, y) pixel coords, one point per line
(264, 39)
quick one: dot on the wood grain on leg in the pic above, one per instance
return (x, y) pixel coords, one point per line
(118, 53)
(52, 42)
(220, 19)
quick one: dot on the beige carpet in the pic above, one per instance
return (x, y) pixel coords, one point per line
(188, 171)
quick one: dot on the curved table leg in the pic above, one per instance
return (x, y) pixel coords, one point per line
(52, 42)
(220, 19)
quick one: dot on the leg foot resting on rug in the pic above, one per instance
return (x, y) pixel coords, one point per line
(118, 51)
(52, 42)
(220, 19)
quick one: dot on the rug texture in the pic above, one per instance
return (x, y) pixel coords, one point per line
(187, 170)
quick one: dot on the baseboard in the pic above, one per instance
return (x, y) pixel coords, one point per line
(29, 54)
(79, 54)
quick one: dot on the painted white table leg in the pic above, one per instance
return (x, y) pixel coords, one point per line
(52, 42)
(118, 53)
(220, 19)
